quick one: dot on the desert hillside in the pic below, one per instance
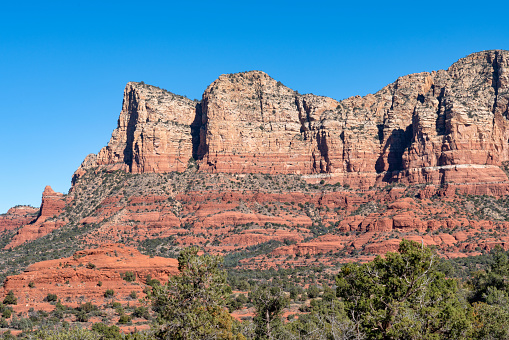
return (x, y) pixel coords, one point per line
(270, 178)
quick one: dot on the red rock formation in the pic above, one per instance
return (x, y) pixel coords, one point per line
(441, 127)
(154, 133)
(52, 205)
(17, 216)
(320, 245)
(252, 123)
(431, 136)
(87, 275)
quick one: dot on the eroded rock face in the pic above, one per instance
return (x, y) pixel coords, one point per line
(154, 133)
(52, 205)
(17, 216)
(447, 129)
(252, 123)
(441, 127)
(87, 275)
(460, 127)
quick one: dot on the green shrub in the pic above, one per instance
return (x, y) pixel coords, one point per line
(6, 313)
(107, 332)
(21, 323)
(68, 333)
(124, 319)
(116, 305)
(129, 276)
(81, 316)
(10, 299)
(51, 298)
(152, 282)
(88, 307)
(313, 291)
(141, 312)
(109, 293)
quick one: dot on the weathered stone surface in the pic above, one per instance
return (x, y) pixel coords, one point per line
(17, 216)
(298, 180)
(252, 123)
(154, 133)
(52, 205)
(87, 275)
(444, 127)
(320, 245)
(418, 142)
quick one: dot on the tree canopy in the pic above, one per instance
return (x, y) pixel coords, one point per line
(192, 305)
(403, 296)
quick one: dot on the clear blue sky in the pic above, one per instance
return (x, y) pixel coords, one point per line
(64, 65)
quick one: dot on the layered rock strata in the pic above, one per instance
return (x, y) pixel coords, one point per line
(87, 275)
(17, 216)
(444, 127)
(52, 205)
(154, 133)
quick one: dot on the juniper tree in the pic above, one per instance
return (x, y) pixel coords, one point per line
(269, 303)
(192, 304)
(403, 296)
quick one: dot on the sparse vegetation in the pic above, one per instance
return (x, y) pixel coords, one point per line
(109, 293)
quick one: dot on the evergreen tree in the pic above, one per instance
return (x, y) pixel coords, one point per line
(192, 305)
(269, 303)
(10, 299)
(403, 296)
(490, 298)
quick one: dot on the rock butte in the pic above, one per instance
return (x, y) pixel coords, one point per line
(51, 206)
(436, 135)
(448, 126)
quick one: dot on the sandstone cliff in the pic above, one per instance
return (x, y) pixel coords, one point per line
(444, 132)
(444, 127)
(154, 132)
(51, 206)
(17, 216)
(240, 174)
(252, 123)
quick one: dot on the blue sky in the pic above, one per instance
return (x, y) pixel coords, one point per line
(63, 65)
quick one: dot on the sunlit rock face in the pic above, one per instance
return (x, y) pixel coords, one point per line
(443, 127)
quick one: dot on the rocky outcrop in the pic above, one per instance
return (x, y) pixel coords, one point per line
(154, 133)
(17, 216)
(429, 135)
(445, 127)
(87, 275)
(252, 123)
(320, 245)
(281, 217)
(52, 205)
(460, 127)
